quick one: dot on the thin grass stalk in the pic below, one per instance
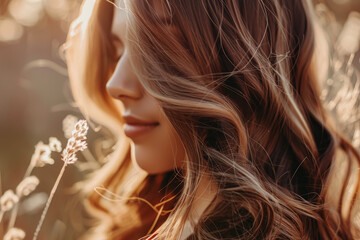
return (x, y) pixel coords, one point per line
(75, 143)
(53, 190)
(15, 210)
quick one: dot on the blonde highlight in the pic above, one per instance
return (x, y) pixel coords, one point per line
(244, 99)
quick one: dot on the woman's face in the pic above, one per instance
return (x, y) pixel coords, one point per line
(155, 146)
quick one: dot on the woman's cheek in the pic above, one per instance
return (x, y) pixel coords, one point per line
(161, 153)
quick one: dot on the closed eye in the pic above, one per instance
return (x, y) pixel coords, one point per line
(118, 45)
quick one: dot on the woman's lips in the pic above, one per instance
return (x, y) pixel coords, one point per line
(134, 130)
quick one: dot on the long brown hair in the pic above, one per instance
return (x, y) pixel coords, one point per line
(237, 80)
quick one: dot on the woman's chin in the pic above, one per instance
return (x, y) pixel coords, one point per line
(145, 160)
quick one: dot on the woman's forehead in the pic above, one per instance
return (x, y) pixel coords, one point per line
(159, 7)
(119, 19)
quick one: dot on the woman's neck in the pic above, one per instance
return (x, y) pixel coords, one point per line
(204, 195)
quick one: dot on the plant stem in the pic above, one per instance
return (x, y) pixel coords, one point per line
(29, 169)
(49, 201)
(15, 210)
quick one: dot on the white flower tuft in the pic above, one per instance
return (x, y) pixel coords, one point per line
(27, 186)
(8, 200)
(14, 234)
(54, 144)
(77, 142)
(42, 155)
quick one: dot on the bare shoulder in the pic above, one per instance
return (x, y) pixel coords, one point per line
(342, 189)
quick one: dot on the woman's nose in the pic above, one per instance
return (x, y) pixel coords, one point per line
(123, 84)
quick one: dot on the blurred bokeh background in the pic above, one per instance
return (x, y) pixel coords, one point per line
(34, 99)
(35, 95)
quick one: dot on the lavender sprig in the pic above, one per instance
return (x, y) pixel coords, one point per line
(77, 142)
(40, 158)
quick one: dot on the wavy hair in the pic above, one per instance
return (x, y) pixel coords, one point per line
(238, 81)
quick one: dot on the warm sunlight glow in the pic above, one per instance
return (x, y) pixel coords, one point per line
(57, 9)
(349, 39)
(26, 12)
(10, 30)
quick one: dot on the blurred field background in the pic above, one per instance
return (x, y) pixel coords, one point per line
(35, 96)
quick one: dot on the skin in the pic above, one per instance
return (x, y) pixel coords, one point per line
(160, 149)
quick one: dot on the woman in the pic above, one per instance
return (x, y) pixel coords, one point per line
(218, 103)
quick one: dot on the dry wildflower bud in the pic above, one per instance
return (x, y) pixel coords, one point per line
(77, 142)
(80, 130)
(26, 186)
(54, 144)
(42, 155)
(8, 200)
(68, 125)
(14, 234)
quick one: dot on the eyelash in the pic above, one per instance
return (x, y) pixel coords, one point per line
(118, 50)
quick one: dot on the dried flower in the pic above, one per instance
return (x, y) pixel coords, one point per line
(80, 130)
(14, 234)
(26, 186)
(8, 200)
(42, 155)
(54, 144)
(76, 142)
(68, 125)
